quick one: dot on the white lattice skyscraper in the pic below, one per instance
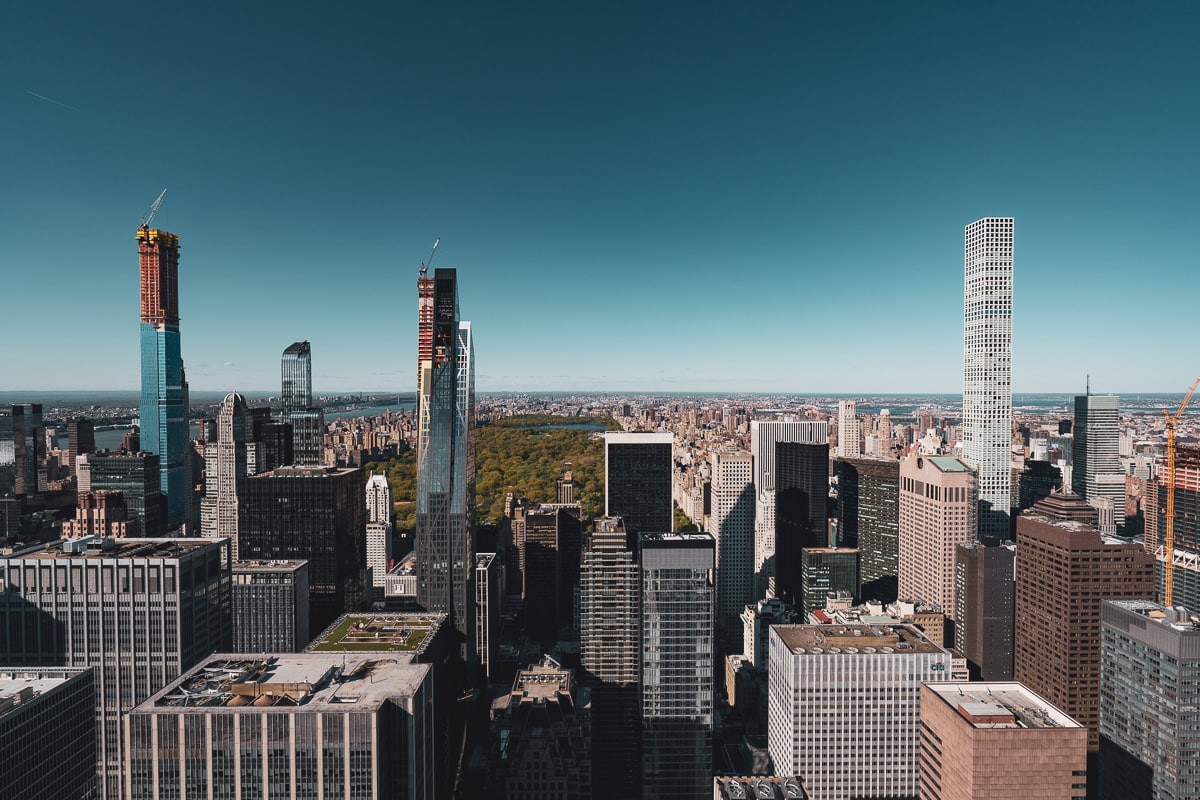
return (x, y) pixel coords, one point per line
(987, 366)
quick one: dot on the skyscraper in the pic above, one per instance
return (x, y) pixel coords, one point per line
(637, 480)
(446, 465)
(869, 519)
(81, 438)
(801, 516)
(163, 407)
(307, 421)
(987, 367)
(984, 601)
(733, 527)
(764, 435)
(1149, 691)
(136, 476)
(224, 463)
(48, 727)
(1096, 468)
(937, 513)
(677, 664)
(379, 499)
(29, 446)
(849, 438)
(1065, 568)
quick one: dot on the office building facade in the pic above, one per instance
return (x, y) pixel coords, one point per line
(47, 733)
(637, 480)
(822, 678)
(996, 741)
(733, 529)
(677, 663)
(849, 434)
(801, 511)
(1065, 568)
(139, 611)
(869, 519)
(985, 606)
(1096, 465)
(446, 465)
(28, 447)
(163, 408)
(137, 477)
(379, 499)
(270, 606)
(225, 461)
(825, 571)
(938, 503)
(987, 367)
(764, 435)
(345, 725)
(81, 439)
(1149, 690)
(315, 514)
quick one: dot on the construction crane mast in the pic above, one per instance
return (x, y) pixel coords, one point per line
(1169, 540)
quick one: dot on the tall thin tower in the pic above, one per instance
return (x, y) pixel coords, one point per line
(446, 463)
(163, 405)
(987, 367)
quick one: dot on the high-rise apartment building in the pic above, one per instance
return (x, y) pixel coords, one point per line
(139, 611)
(346, 725)
(1096, 468)
(849, 435)
(1065, 568)
(869, 519)
(677, 666)
(1149, 691)
(48, 733)
(610, 655)
(163, 408)
(996, 741)
(987, 367)
(548, 538)
(315, 514)
(637, 480)
(801, 511)
(8, 458)
(379, 499)
(843, 706)
(984, 606)
(938, 503)
(224, 463)
(764, 435)
(446, 465)
(733, 528)
(270, 601)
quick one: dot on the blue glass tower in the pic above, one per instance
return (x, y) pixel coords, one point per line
(163, 407)
(446, 464)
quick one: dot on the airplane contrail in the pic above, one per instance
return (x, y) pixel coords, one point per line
(52, 100)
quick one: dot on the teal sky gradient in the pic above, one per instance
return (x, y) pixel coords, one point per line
(666, 196)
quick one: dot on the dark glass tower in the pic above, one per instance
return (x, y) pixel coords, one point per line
(637, 480)
(307, 421)
(163, 406)
(29, 447)
(801, 500)
(869, 519)
(446, 464)
(136, 476)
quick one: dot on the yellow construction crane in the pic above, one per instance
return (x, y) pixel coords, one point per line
(1169, 542)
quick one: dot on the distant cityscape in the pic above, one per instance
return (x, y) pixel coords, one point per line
(283, 594)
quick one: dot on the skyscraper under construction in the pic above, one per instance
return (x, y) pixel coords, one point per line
(446, 457)
(163, 407)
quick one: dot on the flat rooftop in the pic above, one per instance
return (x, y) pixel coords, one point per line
(947, 463)
(396, 632)
(269, 566)
(20, 685)
(304, 472)
(862, 639)
(671, 537)
(106, 547)
(619, 437)
(289, 680)
(1000, 705)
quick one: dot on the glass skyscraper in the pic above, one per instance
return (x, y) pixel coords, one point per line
(987, 367)
(163, 407)
(446, 464)
(307, 421)
(677, 664)
(637, 480)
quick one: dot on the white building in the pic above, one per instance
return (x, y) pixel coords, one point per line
(379, 499)
(987, 366)
(843, 706)
(379, 555)
(732, 502)
(849, 444)
(225, 462)
(764, 435)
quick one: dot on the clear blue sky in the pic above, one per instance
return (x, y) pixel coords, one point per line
(663, 196)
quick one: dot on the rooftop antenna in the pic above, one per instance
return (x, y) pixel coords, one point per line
(1089, 384)
(146, 220)
(424, 264)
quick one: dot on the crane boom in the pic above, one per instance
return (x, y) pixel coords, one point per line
(428, 261)
(146, 220)
(1169, 538)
